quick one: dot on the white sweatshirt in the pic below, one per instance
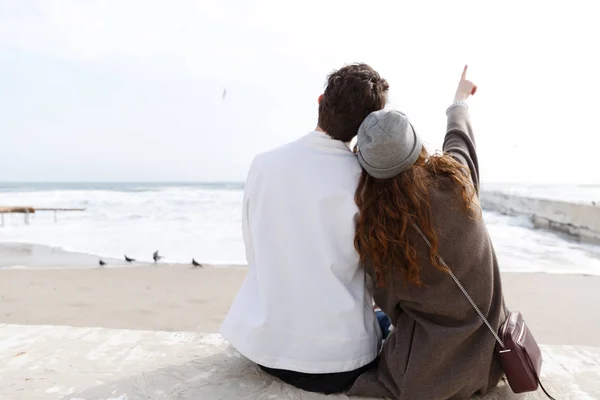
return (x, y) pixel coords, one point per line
(305, 305)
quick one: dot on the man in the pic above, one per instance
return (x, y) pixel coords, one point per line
(304, 312)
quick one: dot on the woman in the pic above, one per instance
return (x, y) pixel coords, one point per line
(440, 348)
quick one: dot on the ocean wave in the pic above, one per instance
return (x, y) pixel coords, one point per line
(204, 222)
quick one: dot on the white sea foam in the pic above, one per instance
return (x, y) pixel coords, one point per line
(204, 222)
(521, 248)
(181, 222)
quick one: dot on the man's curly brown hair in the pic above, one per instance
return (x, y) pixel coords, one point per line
(351, 93)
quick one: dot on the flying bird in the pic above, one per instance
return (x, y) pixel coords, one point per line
(101, 263)
(224, 93)
(156, 257)
(129, 259)
(196, 263)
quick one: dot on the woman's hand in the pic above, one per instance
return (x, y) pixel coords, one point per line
(465, 88)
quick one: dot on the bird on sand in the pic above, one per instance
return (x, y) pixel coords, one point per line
(156, 257)
(129, 259)
(196, 263)
(101, 263)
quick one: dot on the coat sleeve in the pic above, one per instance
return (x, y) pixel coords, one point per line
(459, 142)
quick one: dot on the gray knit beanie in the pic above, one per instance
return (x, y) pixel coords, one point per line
(387, 144)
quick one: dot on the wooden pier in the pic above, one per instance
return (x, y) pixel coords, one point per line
(26, 211)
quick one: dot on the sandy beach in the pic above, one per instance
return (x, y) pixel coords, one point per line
(180, 298)
(165, 297)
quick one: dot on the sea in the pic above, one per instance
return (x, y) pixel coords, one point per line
(203, 221)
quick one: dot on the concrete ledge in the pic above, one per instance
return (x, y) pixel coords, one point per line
(56, 362)
(581, 221)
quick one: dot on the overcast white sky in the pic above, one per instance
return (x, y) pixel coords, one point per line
(132, 90)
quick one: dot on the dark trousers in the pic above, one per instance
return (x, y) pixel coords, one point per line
(337, 382)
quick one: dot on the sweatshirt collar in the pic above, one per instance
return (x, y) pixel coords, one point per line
(323, 140)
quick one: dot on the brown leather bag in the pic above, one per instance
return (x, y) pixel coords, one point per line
(518, 352)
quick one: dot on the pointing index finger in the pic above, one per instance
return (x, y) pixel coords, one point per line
(464, 73)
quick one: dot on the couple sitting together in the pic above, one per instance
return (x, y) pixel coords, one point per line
(329, 231)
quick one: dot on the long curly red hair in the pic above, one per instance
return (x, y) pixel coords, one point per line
(388, 205)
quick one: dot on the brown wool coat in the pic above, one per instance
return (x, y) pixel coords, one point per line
(440, 349)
